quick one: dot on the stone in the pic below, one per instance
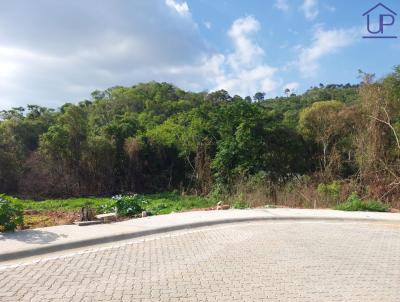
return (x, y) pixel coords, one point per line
(223, 207)
(87, 214)
(260, 261)
(89, 222)
(107, 217)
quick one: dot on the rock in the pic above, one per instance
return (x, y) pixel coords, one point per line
(144, 214)
(87, 214)
(108, 217)
(223, 207)
(85, 223)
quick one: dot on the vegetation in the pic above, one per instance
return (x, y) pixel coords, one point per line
(129, 205)
(310, 150)
(10, 214)
(28, 213)
(160, 203)
(354, 203)
(66, 205)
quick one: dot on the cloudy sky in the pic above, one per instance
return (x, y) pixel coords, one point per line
(52, 52)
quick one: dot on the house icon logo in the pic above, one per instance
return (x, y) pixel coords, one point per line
(379, 18)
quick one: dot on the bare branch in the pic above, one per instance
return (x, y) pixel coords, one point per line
(389, 125)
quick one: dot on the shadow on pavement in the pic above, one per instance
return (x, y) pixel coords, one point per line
(32, 236)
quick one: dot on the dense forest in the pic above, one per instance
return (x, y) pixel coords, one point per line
(297, 150)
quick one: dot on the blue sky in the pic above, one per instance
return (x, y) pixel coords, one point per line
(52, 52)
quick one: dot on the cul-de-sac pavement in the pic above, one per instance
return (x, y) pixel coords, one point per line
(279, 260)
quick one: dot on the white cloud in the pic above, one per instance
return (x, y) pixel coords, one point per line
(246, 51)
(247, 81)
(207, 24)
(282, 5)
(292, 86)
(330, 8)
(310, 9)
(88, 46)
(181, 8)
(93, 44)
(325, 42)
(243, 71)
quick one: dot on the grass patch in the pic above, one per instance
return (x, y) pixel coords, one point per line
(240, 204)
(165, 203)
(354, 203)
(64, 211)
(65, 205)
(162, 203)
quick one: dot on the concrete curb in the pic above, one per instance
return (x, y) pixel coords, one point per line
(126, 236)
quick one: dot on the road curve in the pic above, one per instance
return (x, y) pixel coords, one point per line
(260, 261)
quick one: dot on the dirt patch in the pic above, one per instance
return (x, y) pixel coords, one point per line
(48, 218)
(36, 219)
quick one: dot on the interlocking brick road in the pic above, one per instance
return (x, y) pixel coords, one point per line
(271, 261)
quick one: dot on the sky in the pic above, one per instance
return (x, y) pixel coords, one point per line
(52, 52)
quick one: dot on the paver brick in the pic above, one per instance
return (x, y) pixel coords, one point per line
(263, 261)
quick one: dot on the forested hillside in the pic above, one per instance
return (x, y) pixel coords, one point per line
(322, 145)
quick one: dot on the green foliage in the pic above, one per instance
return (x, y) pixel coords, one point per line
(154, 204)
(240, 204)
(330, 189)
(320, 120)
(154, 137)
(129, 205)
(354, 203)
(251, 143)
(158, 208)
(11, 214)
(106, 208)
(165, 203)
(161, 203)
(67, 205)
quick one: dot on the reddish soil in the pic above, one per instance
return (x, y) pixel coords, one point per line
(34, 219)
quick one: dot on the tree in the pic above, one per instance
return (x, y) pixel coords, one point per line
(63, 144)
(322, 123)
(118, 130)
(259, 96)
(219, 96)
(287, 92)
(378, 132)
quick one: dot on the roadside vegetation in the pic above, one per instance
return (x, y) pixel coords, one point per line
(312, 150)
(29, 213)
(354, 203)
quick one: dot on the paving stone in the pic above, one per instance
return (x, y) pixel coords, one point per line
(285, 261)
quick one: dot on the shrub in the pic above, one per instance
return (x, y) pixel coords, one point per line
(157, 208)
(129, 205)
(355, 203)
(331, 190)
(106, 208)
(11, 214)
(240, 204)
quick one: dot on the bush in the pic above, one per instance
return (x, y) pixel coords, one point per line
(106, 208)
(129, 205)
(157, 208)
(240, 205)
(354, 203)
(11, 214)
(330, 190)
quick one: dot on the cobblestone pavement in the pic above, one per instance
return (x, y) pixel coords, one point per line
(264, 261)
